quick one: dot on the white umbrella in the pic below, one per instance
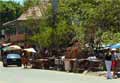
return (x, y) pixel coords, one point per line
(12, 47)
(15, 47)
(6, 44)
(30, 50)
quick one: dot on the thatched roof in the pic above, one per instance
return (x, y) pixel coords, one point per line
(31, 13)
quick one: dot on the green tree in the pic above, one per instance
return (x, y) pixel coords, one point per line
(93, 15)
(110, 37)
(88, 20)
(9, 11)
(43, 39)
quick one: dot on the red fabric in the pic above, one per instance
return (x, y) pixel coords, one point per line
(114, 63)
(75, 53)
(25, 60)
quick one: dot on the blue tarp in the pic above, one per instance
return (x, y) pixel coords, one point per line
(115, 45)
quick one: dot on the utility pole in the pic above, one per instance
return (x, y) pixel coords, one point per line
(54, 24)
(55, 12)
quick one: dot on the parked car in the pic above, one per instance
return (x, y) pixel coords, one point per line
(12, 59)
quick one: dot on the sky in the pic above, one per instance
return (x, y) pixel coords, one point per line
(20, 1)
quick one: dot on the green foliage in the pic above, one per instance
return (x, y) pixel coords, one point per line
(95, 16)
(9, 11)
(43, 38)
(110, 37)
(47, 36)
(64, 34)
(86, 20)
(79, 33)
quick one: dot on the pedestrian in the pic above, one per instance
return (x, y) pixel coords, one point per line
(67, 59)
(75, 54)
(108, 63)
(114, 62)
(25, 60)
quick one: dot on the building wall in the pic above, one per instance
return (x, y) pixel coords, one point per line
(17, 37)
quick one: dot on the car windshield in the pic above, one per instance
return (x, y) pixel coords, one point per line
(13, 56)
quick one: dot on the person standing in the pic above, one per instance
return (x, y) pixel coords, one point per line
(114, 62)
(108, 63)
(25, 60)
(67, 59)
(75, 54)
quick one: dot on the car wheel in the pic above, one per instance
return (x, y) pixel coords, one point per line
(5, 65)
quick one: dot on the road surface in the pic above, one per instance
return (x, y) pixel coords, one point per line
(20, 75)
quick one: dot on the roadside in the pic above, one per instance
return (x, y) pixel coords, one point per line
(85, 73)
(98, 73)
